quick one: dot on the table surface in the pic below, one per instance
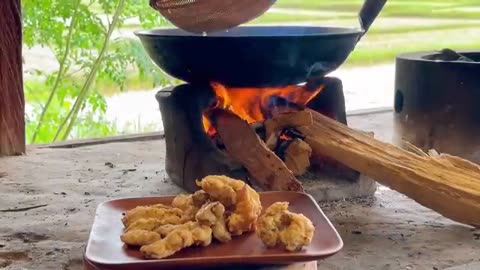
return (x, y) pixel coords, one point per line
(389, 231)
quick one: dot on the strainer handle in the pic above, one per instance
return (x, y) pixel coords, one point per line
(369, 12)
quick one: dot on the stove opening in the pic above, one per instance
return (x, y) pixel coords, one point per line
(257, 104)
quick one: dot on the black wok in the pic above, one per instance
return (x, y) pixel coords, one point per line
(256, 55)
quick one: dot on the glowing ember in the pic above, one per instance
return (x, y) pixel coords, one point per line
(252, 104)
(285, 137)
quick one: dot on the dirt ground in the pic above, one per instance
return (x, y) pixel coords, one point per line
(388, 231)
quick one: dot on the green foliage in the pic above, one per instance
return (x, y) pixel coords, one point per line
(81, 34)
(93, 63)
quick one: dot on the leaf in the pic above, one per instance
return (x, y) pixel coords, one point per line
(46, 24)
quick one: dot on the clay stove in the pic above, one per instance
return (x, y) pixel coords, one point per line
(255, 57)
(192, 152)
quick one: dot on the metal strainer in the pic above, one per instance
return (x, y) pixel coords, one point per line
(202, 16)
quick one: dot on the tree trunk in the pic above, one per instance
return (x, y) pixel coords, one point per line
(12, 102)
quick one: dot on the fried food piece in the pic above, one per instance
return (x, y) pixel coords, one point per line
(202, 235)
(270, 223)
(185, 201)
(174, 242)
(190, 204)
(278, 226)
(161, 205)
(247, 211)
(299, 231)
(234, 193)
(139, 237)
(205, 215)
(145, 212)
(213, 215)
(168, 228)
(182, 201)
(182, 237)
(150, 224)
(200, 197)
(221, 188)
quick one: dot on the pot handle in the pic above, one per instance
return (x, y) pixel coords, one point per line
(369, 12)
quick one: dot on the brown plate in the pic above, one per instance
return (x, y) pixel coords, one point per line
(105, 249)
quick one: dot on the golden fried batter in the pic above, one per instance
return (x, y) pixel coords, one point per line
(213, 215)
(160, 205)
(269, 224)
(299, 231)
(278, 226)
(221, 188)
(174, 242)
(139, 237)
(190, 204)
(182, 237)
(144, 212)
(202, 235)
(200, 197)
(150, 224)
(247, 211)
(234, 193)
(183, 202)
(164, 230)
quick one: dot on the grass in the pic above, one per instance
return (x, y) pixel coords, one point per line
(281, 17)
(383, 48)
(420, 28)
(370, 56)
(397, 8)
(34, 89)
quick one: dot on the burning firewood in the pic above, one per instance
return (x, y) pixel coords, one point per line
(272, 140)
(243, 145)
(297, 157)
(446, 184)
(285, 120)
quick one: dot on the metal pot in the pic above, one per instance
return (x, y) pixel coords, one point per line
(257, 56)
(437, 102)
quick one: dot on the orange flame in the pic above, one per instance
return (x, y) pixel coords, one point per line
(251, 103)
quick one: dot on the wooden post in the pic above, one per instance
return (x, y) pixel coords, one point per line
(12, 102)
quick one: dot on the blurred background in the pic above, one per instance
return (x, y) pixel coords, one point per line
(87, 75)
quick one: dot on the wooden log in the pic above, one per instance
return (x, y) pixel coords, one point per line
(446, 184)
(284, 120)
(297, 157)
(12, 103)
(244, 146)
(272, 140)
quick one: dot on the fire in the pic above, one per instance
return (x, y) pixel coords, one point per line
(251, 104)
